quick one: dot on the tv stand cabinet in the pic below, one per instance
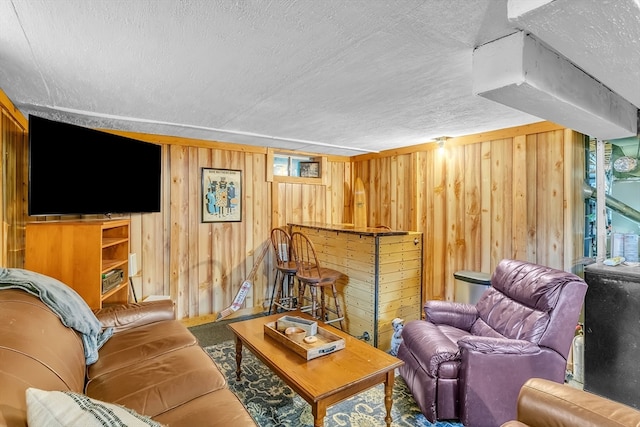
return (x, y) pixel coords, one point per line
(78, 253)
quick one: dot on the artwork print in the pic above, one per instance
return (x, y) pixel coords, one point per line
(221, 195)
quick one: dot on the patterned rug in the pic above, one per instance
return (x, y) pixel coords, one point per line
(272, 403)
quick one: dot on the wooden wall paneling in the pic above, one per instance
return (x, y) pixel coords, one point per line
(254, 234)
(151, 246)
(294, 203)
(367, 174)
(334, 193)
(289, 210)
(4, 231)
(574, 170)
(540, 195)
(551, 202)
(407, 187)
(501, 178)
(222, 262)
(520, 217)
(241, 249)
(261, 205)
(278, 217)
(344, 214)
(395, 175)
(428, 246)
(532, 172)
(372, 178)
(485, 207)
(5, 225)
(160, 275)
(13, 183)
(438, 224)
(221, 291)
(327, 190)
(472, 207)
(190, 288)
(418, 214)
(455, 216)
(180, 202)
(135, 247)
(360, 170)
(203, 268)
(14, 175)
(385, 174)
(308, 196)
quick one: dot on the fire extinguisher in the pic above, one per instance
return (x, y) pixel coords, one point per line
(578, 355)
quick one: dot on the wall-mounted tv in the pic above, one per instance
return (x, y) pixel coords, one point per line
(74, 170)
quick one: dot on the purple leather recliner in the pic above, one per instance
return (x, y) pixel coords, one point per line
(468, 362)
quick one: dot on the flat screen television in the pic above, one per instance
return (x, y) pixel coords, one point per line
(74, 170)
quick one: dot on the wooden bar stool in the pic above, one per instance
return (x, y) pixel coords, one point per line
(312, 275)
(283, 295)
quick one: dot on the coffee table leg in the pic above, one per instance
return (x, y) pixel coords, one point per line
(388, 395)
(319, 411)
(238, 358)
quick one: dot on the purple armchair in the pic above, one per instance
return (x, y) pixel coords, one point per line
(469, 362)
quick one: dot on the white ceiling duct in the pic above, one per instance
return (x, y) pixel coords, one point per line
(523, 73)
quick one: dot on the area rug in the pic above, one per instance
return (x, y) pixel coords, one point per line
(272, 403)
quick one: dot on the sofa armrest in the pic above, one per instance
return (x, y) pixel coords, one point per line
(456, 314)
(126, 316)
(490, 345)
(544, 403)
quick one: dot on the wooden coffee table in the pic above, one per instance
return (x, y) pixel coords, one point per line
(325, 380)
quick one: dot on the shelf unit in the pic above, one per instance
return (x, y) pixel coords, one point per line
(78, 253)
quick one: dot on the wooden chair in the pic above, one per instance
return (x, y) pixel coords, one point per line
(283, 295)
(311, 274)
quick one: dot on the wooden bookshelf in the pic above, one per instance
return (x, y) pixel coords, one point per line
(78, 253)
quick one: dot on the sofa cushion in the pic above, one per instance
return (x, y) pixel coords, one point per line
(502, 316)
(159, 384)
(133, 346)
(37, 342)
(61, 409)
(431, 345)
(220, 408)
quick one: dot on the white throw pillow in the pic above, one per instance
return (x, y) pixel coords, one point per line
(65, 408)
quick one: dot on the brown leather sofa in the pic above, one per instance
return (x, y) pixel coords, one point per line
(151, 364)
(544, 403)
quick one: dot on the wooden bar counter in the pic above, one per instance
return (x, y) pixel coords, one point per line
(382, 275)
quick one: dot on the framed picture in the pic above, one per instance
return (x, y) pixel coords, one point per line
(221, 195)
(310, 169)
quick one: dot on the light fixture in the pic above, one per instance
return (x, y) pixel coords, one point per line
(521, 72)
(441, 140)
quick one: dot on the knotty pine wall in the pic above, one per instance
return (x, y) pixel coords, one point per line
(13, 185)
(511, 193)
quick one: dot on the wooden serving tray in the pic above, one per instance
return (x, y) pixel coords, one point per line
(327, 342)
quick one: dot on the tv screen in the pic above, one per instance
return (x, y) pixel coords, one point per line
(75, 170)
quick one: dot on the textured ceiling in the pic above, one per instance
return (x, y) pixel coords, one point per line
(330, 76)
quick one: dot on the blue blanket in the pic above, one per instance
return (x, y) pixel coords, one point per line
(65, 302)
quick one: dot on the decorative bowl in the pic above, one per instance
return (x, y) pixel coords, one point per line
(296, 334)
